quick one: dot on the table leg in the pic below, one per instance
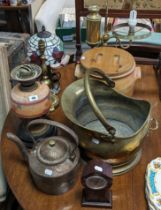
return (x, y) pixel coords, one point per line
(157, 69)
(78, 52)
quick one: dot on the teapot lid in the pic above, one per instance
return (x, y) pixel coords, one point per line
(53, 150)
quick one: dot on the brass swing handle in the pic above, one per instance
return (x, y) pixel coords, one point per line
(92, 101)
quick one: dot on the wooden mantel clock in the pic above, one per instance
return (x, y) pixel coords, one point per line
(97, 180)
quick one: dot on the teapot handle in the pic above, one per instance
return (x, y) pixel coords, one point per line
(56, 124)
(92, 101)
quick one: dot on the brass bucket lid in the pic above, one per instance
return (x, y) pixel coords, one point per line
(114, 62)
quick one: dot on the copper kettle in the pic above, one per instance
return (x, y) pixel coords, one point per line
(53, 161)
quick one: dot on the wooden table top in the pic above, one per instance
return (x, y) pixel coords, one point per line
(127, 189)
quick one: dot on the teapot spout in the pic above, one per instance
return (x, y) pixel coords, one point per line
(19, 143)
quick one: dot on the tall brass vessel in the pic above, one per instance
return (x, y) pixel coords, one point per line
(93, 26)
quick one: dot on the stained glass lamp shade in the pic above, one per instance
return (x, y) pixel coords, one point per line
(53, 47)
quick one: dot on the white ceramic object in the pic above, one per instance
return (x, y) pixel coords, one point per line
(153, 184)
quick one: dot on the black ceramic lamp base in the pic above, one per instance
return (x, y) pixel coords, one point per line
(100, 198)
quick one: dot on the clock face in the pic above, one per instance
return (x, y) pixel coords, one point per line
(96, 182)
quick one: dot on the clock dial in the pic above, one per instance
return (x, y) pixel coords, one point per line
(96, 182)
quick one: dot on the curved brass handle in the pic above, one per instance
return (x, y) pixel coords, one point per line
(92, 101)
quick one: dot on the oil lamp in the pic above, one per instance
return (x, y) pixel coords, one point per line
(30, 99)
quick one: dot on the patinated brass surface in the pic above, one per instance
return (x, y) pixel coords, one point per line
(122, 31)
(93, 26)
(128, 116)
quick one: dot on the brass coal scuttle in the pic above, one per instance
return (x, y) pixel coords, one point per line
(110, 126)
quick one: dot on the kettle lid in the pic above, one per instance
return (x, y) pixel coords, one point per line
(53, 150)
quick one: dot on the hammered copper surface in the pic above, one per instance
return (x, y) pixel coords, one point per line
(54, 161)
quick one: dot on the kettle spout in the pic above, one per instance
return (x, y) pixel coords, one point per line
(19, 143)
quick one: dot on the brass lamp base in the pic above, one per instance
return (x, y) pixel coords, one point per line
(54, 101)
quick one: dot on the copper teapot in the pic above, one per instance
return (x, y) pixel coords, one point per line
(53, 161)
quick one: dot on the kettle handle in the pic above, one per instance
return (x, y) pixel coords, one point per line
(56, 124)
(110, 83)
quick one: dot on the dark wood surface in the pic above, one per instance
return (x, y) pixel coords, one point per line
(18, 18)
(127, 189)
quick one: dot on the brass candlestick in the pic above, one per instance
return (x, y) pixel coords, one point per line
(45, 72)
(45, 75)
